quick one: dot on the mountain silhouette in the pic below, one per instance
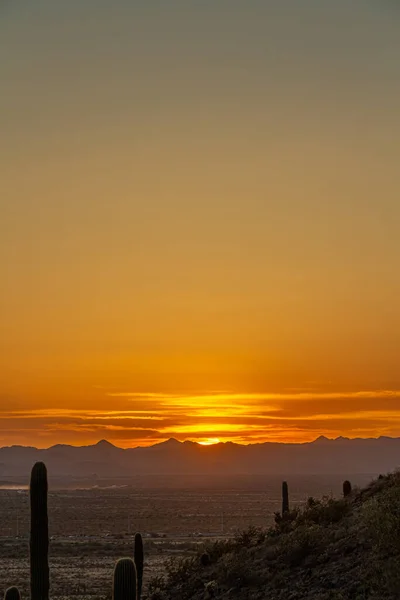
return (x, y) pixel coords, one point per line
(322, 456)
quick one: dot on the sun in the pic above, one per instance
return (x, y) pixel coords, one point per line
(209, 442)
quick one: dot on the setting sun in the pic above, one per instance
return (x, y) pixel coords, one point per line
(217, 266)
(199, 311)
(209, 442)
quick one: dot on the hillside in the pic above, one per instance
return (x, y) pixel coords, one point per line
(333, 550)
(104, 460)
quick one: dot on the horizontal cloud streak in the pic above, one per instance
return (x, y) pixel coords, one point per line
(144, 418)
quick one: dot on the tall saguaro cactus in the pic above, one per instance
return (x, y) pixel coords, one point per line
(124, 585)
(138, 557)
(39, 537)
(346, 488)
(285, 498)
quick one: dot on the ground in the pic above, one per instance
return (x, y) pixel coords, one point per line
(91, 528)
(330, 550)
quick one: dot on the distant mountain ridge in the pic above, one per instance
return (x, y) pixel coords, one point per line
(104, 460)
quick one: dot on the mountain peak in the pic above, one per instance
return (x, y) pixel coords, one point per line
(172, 442)
(104, 444)
(322, 439)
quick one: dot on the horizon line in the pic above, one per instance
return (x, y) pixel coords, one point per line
(320, 438)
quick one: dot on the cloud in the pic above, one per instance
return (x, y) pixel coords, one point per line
(143, 418)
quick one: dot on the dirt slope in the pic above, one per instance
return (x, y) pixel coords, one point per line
(334, 549)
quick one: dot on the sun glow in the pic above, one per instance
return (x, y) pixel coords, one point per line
(209, 442)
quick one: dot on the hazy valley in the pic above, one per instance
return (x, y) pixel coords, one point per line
(178, 464)
(90, 528)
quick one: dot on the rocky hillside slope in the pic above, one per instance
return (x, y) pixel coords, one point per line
(333, 549)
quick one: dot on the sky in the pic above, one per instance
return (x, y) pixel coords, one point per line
(199, 220)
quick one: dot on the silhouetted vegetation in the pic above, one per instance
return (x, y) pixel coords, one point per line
(125, 580)
(39, 539)
(12, 594)
(332, 549)
(285, 498)
(127, 585)
(205, 559)
(138, 558)
(346, 488)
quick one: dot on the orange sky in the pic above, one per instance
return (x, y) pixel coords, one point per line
(131, 418)
(199, 220)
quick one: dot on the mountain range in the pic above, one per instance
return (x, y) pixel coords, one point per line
(104, 460)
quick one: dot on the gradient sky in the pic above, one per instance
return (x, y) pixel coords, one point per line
(199, 220)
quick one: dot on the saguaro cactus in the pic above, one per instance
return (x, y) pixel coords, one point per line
(138, 557)
(39, 537)
(205, 559)
(124, 585)
(285, 498)
(346, 488)
(12, 594)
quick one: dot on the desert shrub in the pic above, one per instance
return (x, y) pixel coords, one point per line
(185, 575)
(234, 571)
(386, 577)
(249, 537)
(261, 536)
(319, 512)
(323, 512)
(155, 587)
(285, 523)
(253, 536)
(297, 546)
(158, 595)
(216, 549)
(179, 569)
(382, 517)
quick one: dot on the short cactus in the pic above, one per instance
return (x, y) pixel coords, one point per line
(12, 594)
(285, 498)
(138, 558)
(125, 584)
(346, 488)
(39, 536)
